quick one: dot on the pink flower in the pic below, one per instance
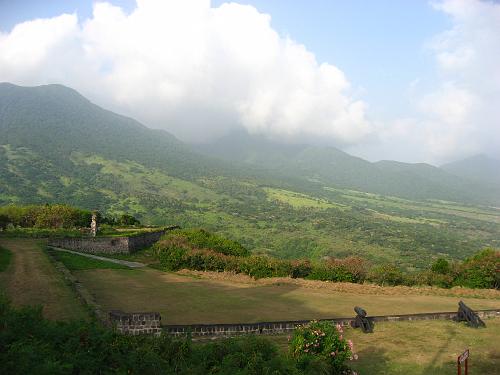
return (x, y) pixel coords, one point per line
(339, 328)
(333, 354)
(351, 345)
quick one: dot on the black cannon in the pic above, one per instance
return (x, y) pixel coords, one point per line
(465, 313)
(362, 321)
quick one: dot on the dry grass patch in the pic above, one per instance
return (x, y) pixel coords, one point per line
(347, 287)
(31, 279)
(188, 299)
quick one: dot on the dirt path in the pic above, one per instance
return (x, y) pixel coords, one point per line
(112, 260)
(31, 279)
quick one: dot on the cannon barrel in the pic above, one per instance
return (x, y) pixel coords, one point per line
(360, 311)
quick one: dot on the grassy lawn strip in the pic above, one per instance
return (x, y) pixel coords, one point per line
(79, 262)
(5, 258)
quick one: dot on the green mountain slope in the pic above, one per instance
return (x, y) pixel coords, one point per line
(479, 168)
(334, 167)
(56, 146)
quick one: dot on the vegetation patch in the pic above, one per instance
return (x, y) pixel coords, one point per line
(298, 200)
(5, 258)
(202, 239)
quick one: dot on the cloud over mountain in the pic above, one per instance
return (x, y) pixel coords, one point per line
(190, 68)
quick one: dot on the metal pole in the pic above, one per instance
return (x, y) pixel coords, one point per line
(467, 366)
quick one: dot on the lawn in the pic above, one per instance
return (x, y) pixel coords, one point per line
(186, 299)
(422, 348)
(31, 279)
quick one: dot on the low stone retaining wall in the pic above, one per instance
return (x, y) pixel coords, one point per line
(136, 323)
(289, 326)
(109, 245)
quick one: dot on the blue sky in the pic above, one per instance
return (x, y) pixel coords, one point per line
(407, 91)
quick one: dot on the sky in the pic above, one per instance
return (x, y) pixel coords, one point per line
(414, 81)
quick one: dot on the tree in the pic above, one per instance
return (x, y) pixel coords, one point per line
(441, 266)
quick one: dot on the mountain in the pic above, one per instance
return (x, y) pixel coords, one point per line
(278, 199)
(332, 166)
(480, 168)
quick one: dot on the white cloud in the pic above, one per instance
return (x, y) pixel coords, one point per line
(458, 114)
(190, 68)
(462, 115)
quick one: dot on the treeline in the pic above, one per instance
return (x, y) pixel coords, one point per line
(177, 250)
(55, 216)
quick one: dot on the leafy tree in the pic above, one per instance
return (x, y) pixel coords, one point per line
(441, 266)
(481, 270)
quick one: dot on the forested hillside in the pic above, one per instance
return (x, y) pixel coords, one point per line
(56, 146)
(333, 166)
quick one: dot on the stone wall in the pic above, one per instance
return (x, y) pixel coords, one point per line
(109, 245)
(136, 323)
(93, 245)
(289, 326)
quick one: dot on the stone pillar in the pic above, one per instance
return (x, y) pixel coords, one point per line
(94, 226)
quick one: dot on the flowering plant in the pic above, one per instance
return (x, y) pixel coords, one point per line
(325, 341)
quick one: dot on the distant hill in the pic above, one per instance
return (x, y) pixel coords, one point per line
(330, 165)
(480, 168)
(284, 200)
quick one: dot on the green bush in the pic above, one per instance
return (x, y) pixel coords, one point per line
(386, 274)
(322, 345)
(481, 270)
(46, 216)
(200, 238)
(300, 268)
(441, 266)
(351, 269)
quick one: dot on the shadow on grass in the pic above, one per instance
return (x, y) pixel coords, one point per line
(372, 361)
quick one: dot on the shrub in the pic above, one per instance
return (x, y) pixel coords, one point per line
(300, 268)
(386, 274)
(441, 266)
(481, 270)
(46, 216)
(172, 257)
(126, 219)
(200, 238)
(351, 269)
(324, 342)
